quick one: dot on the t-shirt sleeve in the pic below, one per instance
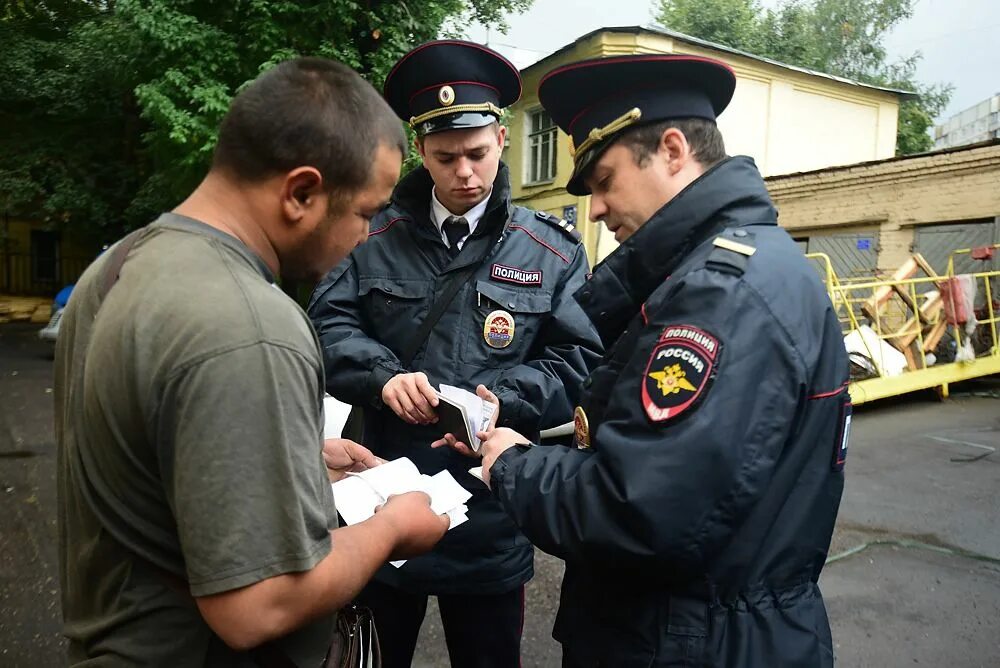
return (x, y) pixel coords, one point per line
(240, 438)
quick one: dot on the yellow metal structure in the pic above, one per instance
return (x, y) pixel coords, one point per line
(847, 296)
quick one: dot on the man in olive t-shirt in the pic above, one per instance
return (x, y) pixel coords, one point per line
(195, 512)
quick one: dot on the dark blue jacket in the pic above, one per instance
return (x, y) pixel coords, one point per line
(366, 310)
(695, 526)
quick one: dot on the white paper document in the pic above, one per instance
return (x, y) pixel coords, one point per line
(335, 417)
(478, 413)
(359, 494)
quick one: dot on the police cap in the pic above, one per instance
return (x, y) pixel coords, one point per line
(451, 85)
(593, 101)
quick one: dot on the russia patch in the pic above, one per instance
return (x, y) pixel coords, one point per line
(680, 370)
(501, 272)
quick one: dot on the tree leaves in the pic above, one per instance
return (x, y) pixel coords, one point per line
(110, 109)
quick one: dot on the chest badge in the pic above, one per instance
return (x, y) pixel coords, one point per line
(581, 429)
(499, 329)
(679, 372)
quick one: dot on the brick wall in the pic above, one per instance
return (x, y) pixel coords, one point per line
(896, 195)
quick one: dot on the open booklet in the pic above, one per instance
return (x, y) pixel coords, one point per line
(359, 494)
(463, 414)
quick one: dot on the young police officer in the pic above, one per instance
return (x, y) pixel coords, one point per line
(511, 325)
(696, 511)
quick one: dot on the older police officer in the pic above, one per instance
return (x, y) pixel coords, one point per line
(696, 511)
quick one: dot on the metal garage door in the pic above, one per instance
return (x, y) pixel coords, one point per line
(936, 242)
(852, 255)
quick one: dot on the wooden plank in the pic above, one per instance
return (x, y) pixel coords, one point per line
(933, 336)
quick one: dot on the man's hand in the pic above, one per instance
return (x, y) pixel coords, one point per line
(495, 443)
(416, 526)
(458, 446)
(411, 397)
(342, 455)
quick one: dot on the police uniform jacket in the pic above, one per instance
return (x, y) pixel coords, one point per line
(366, 310)
(695, 525)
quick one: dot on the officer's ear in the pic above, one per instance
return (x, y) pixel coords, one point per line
(674, 150)
(418, 143)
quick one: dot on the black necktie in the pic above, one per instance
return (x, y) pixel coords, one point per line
(455, 228)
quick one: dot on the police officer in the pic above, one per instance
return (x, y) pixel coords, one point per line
(512, 329)
(696, 511)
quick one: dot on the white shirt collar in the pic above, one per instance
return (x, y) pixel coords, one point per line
(439, 214)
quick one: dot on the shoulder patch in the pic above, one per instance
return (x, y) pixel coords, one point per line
(680, 371)
(565, 227)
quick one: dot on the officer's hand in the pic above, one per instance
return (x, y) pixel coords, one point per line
(342, 455)
(416, 527)
(463, 448)
(411, 397)
(495, 443)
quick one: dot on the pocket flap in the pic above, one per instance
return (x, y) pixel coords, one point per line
(518, 301)
(403, 289)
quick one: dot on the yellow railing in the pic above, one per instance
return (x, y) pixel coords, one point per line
(890, 315)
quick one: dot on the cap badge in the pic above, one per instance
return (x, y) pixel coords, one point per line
(446, 96)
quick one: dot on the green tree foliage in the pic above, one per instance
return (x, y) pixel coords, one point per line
(110, 108)
(841, 37)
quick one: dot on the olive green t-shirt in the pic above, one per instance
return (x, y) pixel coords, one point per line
(189, 421)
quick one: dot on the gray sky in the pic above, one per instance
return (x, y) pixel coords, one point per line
(958, 38)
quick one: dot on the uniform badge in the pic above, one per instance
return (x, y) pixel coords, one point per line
(499, 329)
(679, 372)
(446, 96)
(581, 429)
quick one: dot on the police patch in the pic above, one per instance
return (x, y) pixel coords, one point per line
(501, 272)
(679, 372)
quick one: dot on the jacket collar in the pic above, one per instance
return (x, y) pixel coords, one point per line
(730, 194)
(412, 197)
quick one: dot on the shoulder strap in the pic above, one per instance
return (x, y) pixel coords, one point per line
(113, 269)
(454, 282)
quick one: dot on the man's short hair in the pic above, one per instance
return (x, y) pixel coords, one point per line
(702, 135)
(307, 112)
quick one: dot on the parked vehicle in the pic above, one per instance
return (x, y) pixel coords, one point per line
(51, 331)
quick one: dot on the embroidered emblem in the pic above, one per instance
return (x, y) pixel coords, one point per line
(446, 96)
(499, 329)
(501, 272)
(581, 429)
(679, 372)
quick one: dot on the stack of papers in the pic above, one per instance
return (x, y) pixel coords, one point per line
(359, 494)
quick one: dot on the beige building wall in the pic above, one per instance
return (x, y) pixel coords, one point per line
(788, 120)
(892, 197)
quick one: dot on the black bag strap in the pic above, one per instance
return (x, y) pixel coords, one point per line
(453, 284)
(113, 269)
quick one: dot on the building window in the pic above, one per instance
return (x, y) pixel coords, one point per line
(541, 152)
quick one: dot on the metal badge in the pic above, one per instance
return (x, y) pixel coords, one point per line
(581, 429)
(446, 96)
(499, 329)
